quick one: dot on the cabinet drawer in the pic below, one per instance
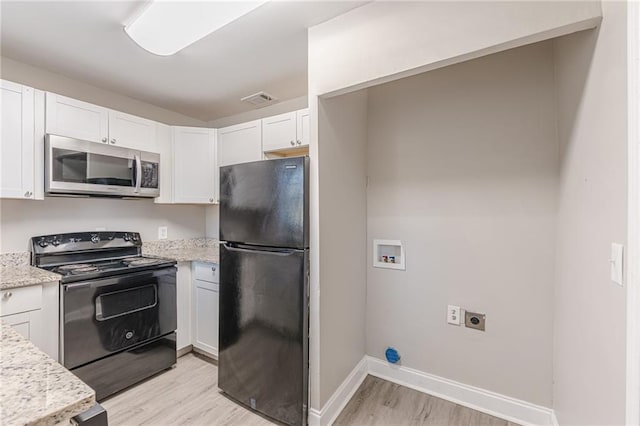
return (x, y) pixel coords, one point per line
(209, 272)
(16, 300)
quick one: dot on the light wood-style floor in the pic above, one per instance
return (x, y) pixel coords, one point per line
(185, 395)
(379, 402)
(188, 395)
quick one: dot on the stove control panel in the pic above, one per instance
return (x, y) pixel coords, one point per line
(78, 241)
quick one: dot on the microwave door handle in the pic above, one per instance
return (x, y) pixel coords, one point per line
(138, 173)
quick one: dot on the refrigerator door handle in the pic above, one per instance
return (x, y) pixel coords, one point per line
(267, 250)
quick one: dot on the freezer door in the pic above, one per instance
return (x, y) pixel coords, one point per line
(263, 354)
(266, 203)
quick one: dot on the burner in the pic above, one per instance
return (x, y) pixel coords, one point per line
(74, 266)
(140, 261)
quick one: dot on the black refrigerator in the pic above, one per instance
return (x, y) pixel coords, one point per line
(264, 287)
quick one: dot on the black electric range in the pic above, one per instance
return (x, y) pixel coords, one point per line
(118, 309)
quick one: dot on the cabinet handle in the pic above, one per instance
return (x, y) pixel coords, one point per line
(211, 200)
(28, 194)
(104, 140)
(213, 268)
(293, 143)
(7, 294)
(299, 142)
(113, 141)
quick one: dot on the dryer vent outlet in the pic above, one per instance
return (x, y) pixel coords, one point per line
(474, 320)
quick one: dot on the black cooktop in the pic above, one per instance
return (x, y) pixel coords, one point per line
(84, 271)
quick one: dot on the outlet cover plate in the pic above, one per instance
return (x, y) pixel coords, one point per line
(453, 314)
(162, 232)
(474, 320)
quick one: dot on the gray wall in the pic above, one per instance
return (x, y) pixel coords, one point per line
(342, 127)
(589, 357)
(20, 219)
(463, 168)
(49, 81)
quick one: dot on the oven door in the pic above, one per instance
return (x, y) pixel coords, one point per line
(109, 315)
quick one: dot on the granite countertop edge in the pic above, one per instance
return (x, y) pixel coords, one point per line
(23, 368)
(24, 276)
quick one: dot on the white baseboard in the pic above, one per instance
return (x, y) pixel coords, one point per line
(488, 402)
(340, 397)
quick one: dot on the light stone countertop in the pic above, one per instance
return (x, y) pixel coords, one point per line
(22, 276)
(187, 254)
(193, 250)
(35, 389)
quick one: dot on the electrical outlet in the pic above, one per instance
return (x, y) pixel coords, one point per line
(453, 314)
(474, 320)
(162, 232)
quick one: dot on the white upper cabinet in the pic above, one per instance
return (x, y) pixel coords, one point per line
(132, 132)
(76, 119)
(18, 141)
(285, 131)
(194, 165)
(82, 120)
(302, 127)
(165, 149)
(241, 143)
(279, 132)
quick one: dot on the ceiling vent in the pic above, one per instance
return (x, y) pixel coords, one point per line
(259, 99)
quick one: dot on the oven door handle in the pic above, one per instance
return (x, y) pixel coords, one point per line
(138, 173)
(101, 317)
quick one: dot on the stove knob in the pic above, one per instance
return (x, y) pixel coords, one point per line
(134, 237)
(43, 243)
(126, 237)
(95, 238)
(55, 242)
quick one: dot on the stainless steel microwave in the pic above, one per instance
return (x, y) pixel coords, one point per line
(74, 166)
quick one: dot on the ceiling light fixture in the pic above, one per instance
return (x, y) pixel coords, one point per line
(166, 27)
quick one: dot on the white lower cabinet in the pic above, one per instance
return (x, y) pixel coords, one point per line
(206, 292)
(183, 299)
(33, 312)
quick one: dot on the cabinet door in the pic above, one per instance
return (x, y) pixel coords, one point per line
(132, 132)
(165, 149)
(76, 119)
(279, 132)
(183, 302)
(302, 127)
(205, 303)
(17, 141)
(28, 324)
(241, 143)
(194, 165)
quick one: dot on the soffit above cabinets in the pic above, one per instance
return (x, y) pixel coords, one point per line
(263, 50)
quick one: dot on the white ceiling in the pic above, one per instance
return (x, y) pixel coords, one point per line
(85, 40)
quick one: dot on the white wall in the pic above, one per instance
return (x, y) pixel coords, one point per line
(21, 220)
(49, 81)
(383, 41)
(258, 113)
(589, 355)
(212, 221)
(342, 127)
(463, 168)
